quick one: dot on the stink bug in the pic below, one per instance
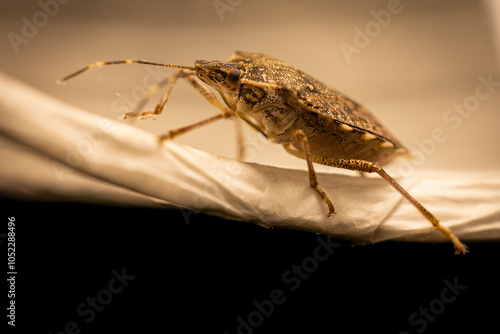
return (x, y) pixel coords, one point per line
(291, 108)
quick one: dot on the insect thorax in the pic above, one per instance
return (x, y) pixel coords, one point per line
(279, 99)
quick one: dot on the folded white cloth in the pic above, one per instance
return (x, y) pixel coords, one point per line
(50, 150)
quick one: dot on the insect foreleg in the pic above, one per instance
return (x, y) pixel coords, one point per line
(163, 101)
(207, 94)
(194, 81)
(198, 85)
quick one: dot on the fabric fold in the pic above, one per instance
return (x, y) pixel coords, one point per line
(86, 157)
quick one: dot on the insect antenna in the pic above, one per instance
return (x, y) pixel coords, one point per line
(115, 62)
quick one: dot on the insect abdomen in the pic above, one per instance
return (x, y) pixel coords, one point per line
(339, 140)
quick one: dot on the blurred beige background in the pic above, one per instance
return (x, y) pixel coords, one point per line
(413, 67)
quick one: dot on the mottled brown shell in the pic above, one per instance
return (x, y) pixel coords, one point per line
(311, 94)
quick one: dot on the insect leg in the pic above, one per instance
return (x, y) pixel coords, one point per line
(176, 132)
(313, 180)
(208, 95)
(240, 140)
(163, 101)
(372, 167)
(195, 82)
(149, 94)
(213, 100)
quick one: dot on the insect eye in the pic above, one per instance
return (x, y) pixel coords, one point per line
(233, 75)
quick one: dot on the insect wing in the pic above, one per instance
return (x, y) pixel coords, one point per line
(309, 94)
(344, 110)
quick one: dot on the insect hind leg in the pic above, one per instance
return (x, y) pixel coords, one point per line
(459, 246)
(372, 167)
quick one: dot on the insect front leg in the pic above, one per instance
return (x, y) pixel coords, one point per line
(190, 77)
(373, 167)
(209, 96)
(300, 136)
(163, 101)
